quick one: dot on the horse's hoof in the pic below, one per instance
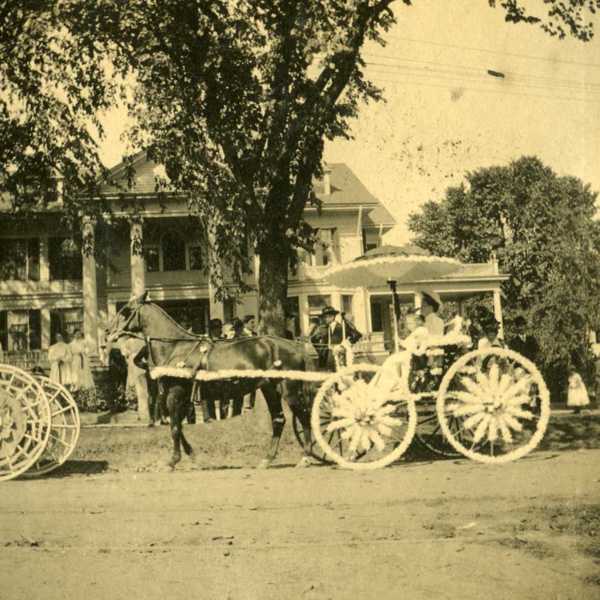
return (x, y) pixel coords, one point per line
(304, 462)
(173, 461)
(265, 463)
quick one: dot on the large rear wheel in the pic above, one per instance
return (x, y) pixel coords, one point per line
(493, 405)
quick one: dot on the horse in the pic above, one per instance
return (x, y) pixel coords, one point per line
(170, 346)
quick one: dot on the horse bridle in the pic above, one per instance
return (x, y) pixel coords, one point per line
(124, 329)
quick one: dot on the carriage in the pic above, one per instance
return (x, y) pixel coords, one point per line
(490, 405)
(39, 424)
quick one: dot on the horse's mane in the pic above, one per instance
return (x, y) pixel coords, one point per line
(163, 313)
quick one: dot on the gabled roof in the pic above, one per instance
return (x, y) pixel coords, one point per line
(378, 216)
(346, 187)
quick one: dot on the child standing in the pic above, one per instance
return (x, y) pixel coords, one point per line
(577, 395)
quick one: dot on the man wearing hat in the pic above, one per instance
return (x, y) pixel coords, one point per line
(335, 336)
(430, 305)
(522, 343)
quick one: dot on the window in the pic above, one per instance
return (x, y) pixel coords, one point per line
(20, 259)
(65, 259)
(195, 258)
(173, 252)
(326, 249)
(347, 301)
(292, 308)
(152, 258)
(23, 330)
(371, 239)
(377, 308)
(65, 321)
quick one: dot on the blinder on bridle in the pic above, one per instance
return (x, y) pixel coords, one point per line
(129, 314)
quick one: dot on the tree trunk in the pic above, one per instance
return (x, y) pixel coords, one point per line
(272, 284)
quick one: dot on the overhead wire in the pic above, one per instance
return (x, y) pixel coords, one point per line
(458, 86)
(482, 77)
(398, 60)
(500, 52)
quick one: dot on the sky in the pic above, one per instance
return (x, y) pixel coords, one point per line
(444, 115)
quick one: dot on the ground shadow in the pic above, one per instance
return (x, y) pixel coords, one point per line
(80, 467)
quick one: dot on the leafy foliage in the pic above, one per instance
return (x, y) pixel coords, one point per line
(53, 87)
(543, 231)
(234, 97)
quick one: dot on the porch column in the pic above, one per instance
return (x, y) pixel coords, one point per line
(418, 300)
(90, 294)
(44, 259)
(359, 311)
(136, 257)
(45, 327)
(216, 308)
(304, 316)
(498, 311)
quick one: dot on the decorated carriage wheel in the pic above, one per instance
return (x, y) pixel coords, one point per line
(64, 430)
(429, 429)
(493, 405)
(359, 426)
(24, 421)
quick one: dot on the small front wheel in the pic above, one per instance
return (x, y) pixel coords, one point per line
(358, 424)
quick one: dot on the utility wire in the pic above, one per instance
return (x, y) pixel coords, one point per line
(481, 77)
(488, 91)
(472, 69)
(501, 52)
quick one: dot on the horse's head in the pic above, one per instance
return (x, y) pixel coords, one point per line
(127, 322)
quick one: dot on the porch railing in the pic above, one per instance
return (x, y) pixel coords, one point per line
(26, 360)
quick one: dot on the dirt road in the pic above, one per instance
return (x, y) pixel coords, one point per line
(445, 529)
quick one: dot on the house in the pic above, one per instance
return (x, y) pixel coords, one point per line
(47, 286)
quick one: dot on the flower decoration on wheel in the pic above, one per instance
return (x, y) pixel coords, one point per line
(362, 419)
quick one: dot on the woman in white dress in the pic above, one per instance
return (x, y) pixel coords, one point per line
(577, 395)
(83, 381)
(59, 357)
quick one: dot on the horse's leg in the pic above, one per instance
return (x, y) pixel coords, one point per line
(175, 405)
(273, 398)
(293, 392)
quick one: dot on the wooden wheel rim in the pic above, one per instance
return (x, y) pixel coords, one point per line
(444, 448)
(321, 398)
(23, 397)
(543, 397)
(64, 430)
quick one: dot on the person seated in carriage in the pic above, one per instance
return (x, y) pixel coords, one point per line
(430, 305)
(396, 368)
(491, 335)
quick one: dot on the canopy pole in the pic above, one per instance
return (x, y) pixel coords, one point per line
(396, 311)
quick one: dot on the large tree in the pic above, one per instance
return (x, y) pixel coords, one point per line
(53, 87)
(543, 231)
(234, 97)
